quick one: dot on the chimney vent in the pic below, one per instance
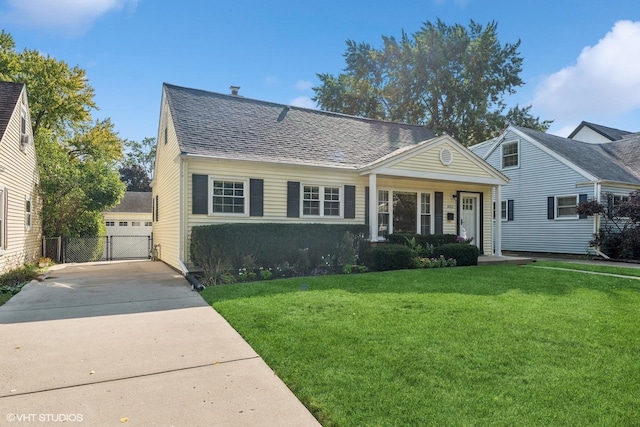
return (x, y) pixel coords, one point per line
(234, 90)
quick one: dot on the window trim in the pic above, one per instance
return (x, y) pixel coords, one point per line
(322, 200)
(245, 195)
(28, 212)
(557, 207)
(502, 146)
(390, 191)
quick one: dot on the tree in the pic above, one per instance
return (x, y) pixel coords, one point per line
(135, 178)
(619, 234)
(78, 157)
(448, 78)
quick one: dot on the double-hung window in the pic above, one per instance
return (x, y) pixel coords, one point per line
(109, 223)
(229, 196)
(321, 201)
(510, 155)
(425, 213)
(566, 207)
(383, 213)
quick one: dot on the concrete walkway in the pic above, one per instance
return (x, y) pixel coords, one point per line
(106, 344)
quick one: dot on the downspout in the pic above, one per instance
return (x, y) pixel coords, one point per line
(195, 284)
(498, 221)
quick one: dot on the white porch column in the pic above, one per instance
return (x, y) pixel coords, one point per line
(373, 207)
(498, 222)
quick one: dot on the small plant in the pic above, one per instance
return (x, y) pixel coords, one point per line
(246, 275)
(354, 268)
(218, 272)
(265, 274)
(440, 261)
(12, 281)
(44, 262)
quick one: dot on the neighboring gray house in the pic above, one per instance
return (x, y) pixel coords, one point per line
(549, 176)
(596, 134)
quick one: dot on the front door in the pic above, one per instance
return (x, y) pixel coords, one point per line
(470, 217)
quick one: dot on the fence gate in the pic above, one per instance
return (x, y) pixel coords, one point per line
(101, 248)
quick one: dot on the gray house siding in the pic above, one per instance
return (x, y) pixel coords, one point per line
(538, 177)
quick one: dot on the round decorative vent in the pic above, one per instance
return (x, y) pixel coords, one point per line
(446, 156)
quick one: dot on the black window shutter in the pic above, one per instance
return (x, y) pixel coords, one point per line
(439, 217)
(199, 194)
(349, 201)
(157, 209)
(293, 199)
(366, 206)
(551, 214)
(582, 198)
(509, 210)
(256, 197)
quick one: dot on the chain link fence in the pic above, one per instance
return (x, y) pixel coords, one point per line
(101, 248)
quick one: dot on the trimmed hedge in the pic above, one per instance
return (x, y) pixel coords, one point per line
(463, 253)
(388, 257)
(423, 239)
(273, 244)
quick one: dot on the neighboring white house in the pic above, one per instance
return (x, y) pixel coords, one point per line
(20, 202)
(129, 227)
(597, 134)
(549, 176)
(226, 158)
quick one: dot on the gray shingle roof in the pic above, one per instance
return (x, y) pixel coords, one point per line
(9, 96)
(612, 161)
(134, 201)
(234, 127)
(610, 133)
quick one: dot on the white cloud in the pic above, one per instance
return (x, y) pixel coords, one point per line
(605, 81)
(72, 17)
(303, 85)
(303, 101)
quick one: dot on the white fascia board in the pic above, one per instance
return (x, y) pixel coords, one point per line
(437, 176)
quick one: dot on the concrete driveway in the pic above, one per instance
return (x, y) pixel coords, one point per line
(116, 343)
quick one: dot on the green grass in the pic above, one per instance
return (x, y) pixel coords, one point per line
(465, 346)
(625, 271)
(5, 297)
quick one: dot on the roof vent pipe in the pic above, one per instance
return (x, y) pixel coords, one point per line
(234, 90)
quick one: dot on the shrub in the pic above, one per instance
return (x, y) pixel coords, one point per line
(463, 253)
(435, 262)
(297, 247)
(13, 280)
(424, 240)
(388, 257)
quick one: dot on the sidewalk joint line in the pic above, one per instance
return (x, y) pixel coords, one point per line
(168, 371)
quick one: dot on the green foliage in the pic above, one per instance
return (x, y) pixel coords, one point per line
(12, 281)
(136, 168)
(451, 79)
(424, 240)
(441, 261)
(77, 156)
(619, 235)
(291, 248)
(463, 253)
(385, 257)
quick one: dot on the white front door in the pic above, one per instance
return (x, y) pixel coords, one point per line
(470, 217)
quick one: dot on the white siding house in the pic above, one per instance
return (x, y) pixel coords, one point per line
(549, 176)
(20, 202)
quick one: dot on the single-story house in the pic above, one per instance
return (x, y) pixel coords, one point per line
(226, 158)
(129, 227)
(549, 175)
(20, 201)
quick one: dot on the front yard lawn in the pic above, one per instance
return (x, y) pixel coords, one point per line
(466, 346)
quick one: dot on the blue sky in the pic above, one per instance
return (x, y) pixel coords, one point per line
(581, 58)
